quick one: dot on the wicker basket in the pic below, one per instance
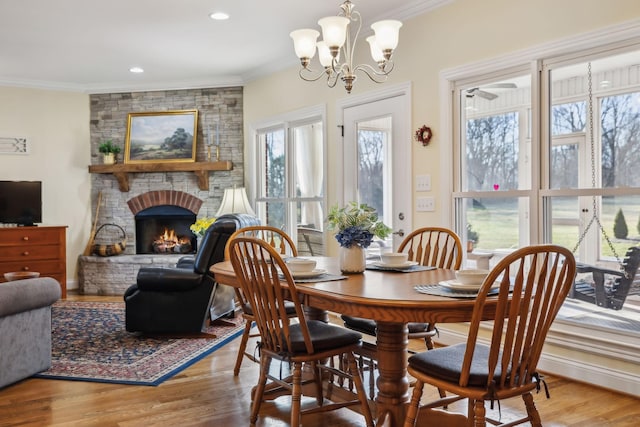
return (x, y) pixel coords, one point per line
(110, 249)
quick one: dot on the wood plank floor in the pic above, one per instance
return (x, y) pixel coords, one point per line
(207, 394)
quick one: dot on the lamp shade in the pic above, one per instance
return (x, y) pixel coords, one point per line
(235, 200)
(304, 42)
(334, 30)
(376, 52)
(387, 33)
(324, 54)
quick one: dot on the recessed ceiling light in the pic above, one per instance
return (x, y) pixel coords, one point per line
(136, 70)
(219, 16)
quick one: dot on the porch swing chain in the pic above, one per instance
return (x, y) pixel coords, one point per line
(594, 217)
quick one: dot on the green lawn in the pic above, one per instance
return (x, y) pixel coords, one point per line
(496, 222)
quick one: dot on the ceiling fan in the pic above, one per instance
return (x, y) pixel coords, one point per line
(490, 96)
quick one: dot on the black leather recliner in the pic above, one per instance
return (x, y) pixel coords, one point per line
(179, 299)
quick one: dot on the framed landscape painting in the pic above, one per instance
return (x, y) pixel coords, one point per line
(167, 136)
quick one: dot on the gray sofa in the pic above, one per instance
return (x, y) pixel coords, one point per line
(25, 327)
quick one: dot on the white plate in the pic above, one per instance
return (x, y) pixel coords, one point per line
(404, 265)
(457, 286)
(308, 274)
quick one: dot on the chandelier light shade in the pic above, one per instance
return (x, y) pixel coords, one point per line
(340, 34)
(235, 200)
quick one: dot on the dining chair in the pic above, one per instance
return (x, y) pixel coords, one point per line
(268, 285)
(283, 244)
(429, 246)
(531, 285)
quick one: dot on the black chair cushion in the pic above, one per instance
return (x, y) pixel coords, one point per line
(368, 326)
(445, 363)
(323, 335)
(289, 307)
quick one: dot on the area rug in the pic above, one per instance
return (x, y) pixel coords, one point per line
(90, 343)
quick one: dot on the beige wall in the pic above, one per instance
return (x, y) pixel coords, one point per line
(56, 125)
(459, 33)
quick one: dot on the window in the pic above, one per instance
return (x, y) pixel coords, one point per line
(576, 184)
(291, 180)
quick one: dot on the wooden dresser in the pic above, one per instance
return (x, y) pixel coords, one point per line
(42, 249)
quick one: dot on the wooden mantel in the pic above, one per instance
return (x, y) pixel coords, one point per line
(200, 169)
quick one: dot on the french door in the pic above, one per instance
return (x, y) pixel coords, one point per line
(376, 157)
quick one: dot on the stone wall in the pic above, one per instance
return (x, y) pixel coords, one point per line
(109, 116)
(109, 113)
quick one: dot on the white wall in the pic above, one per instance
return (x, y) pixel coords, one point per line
(56, 125)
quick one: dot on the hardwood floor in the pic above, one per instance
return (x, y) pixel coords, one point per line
(207, 394)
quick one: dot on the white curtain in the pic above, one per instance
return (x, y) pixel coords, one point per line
(309, 171)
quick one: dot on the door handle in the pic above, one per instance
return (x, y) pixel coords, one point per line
(399, 232)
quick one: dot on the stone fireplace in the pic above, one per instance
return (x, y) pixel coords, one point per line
(154, 190)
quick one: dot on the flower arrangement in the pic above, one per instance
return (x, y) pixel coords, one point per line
(201, 226)
(356, 225)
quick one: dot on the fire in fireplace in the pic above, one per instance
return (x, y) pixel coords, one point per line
(169, 242)
(164, 229)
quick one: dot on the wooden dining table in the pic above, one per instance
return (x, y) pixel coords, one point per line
(390, 299)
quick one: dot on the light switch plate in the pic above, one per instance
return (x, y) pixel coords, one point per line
(425, 204)
(423, 182)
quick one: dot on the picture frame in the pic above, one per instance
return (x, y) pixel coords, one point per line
(161, 137)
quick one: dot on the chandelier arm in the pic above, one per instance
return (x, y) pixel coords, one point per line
(377, 76)
(312, 78)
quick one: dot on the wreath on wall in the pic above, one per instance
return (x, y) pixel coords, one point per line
(424, 135)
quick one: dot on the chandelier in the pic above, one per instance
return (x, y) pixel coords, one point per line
(337, 39)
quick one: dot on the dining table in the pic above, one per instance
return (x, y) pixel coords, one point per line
(389, 297)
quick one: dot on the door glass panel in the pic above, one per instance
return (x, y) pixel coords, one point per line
(374, 168)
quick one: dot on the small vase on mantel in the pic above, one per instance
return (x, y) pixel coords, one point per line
(353, 259)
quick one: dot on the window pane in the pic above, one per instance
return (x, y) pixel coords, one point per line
(492, 152)
(568, 118)
(565, 221)
(275, 164)
(564, 165)
(620, 116)
(621, 220)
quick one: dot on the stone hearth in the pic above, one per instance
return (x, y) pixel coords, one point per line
(113, 275)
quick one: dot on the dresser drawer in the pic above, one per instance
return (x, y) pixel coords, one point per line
(29, 252)
(45, 268)
(29, 236)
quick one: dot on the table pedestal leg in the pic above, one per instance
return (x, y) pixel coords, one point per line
(393, 385)
(311, 313)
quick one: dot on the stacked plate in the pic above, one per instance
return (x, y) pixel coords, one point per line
(399, 266)
(458, 286)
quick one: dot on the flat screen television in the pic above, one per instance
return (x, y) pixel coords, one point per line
(20, 202)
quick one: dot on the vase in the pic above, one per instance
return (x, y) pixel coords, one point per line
(353, 259)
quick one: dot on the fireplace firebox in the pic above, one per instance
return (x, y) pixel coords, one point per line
(164, 229)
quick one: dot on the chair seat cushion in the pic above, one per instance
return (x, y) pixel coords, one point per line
(445, 363)
(368, 326)
(323, 335)
(289, 307)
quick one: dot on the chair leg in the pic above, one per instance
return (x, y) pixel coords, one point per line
(296, 394)
(243, 347)
(478, 411)
(317, 379)
(532, 411)
(362, 395)
(414, 404)
(258, 393)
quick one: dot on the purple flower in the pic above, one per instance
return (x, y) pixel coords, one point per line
(354, 235)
